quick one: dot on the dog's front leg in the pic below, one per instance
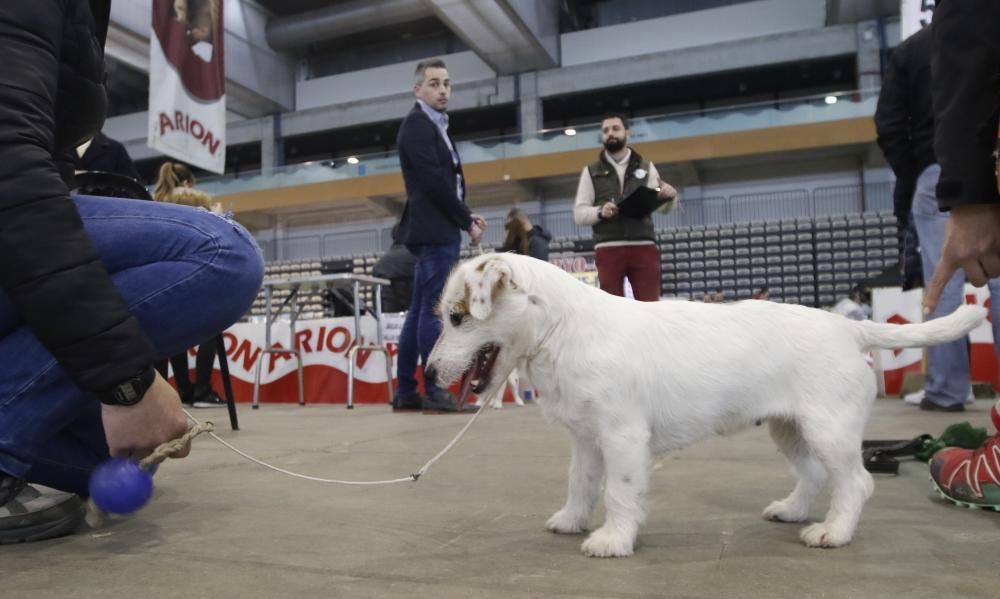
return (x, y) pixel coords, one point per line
(626, 461)
(585, 476)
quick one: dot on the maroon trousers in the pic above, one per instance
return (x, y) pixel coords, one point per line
(640, 263)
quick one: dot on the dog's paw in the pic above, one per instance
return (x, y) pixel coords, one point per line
(497, 405)
(781, 511)
(564, 523)
(822, 535)
(605, 543)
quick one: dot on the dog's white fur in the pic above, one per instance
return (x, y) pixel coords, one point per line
(629, 379)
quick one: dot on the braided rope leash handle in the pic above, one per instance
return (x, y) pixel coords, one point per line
(172, 448)
(97, 518)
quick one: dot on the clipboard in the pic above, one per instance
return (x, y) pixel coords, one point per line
(641, 203)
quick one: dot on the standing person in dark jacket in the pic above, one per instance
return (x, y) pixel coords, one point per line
(905, 123)
(106, 155)
(92, 289)
(905, 126)
(523, 237)
(965, 69)
(431, 227)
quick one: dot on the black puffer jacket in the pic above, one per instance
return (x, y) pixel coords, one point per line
(904, 118)
(965, 67)
(52, 99)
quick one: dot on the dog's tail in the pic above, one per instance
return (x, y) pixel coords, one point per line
(940, 330)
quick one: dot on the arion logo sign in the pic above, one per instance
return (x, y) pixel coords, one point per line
(187, 103)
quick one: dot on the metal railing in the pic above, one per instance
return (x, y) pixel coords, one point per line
(738, 208)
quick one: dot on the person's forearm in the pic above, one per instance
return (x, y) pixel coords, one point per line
(584, 211)
(585, 215)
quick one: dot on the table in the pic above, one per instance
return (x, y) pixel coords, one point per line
(351, 281)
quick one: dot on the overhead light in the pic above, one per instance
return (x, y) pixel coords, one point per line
(571, 132)
(830, 99)
(352, 160)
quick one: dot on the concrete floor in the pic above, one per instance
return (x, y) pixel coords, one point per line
(222, 527)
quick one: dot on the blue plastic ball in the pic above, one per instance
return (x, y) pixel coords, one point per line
(120, 486)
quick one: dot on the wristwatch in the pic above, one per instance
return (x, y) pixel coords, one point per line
(130, 391)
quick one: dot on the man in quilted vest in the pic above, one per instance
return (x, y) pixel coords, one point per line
(623, 246)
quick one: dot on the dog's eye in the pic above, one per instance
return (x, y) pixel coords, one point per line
(456, 318)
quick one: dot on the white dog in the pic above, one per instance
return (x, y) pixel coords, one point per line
(629, 379)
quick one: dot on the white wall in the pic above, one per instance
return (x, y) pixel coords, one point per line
(687, 30)
(389, 80)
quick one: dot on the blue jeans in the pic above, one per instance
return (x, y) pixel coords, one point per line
(947, 364)
(185, 273)
(422, 327)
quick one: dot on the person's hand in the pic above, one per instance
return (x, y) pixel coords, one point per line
(667, 191)
(135, 431)
(479, 221)
(476, 233)
(608, 210)
(972, 243)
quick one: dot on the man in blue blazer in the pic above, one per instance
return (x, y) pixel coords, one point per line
(431, 227)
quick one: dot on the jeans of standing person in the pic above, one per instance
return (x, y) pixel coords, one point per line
(948, 363)
(185, 274)
(422, 327)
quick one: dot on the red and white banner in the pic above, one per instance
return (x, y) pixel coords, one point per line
(900, 307)
(324, 345)
(187, 102)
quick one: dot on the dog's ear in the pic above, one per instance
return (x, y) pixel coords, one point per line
(489, 280)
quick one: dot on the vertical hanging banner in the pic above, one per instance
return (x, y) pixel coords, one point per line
(187, 80)
(914, 15)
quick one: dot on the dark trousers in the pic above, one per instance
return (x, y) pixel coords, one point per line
(422, 327)
(204, 365)
(640, 263)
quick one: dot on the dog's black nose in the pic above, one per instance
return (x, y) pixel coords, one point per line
(430, 375)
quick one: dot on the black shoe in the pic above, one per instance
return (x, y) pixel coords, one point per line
(441, 401)
(27, 514)
(208, 400)
(187, 398)
(408, 402)
(926, 404)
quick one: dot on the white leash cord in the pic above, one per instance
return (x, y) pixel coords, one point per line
(411, 478)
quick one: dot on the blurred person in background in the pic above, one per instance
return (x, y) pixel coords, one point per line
(397, 266)
(523, 237)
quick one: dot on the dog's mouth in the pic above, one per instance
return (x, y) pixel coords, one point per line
(477, 378)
